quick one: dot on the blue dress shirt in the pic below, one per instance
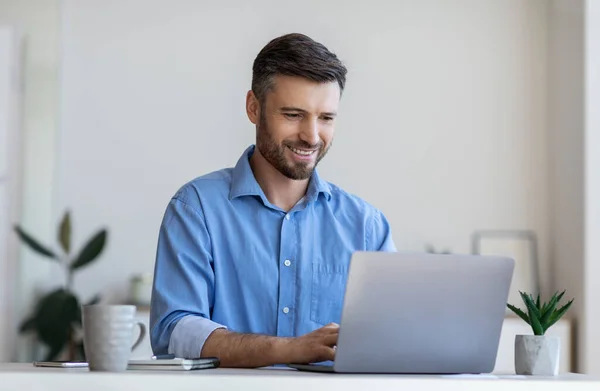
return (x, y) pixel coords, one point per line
(227, 257)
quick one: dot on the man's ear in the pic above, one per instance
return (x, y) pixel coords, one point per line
(252, 107)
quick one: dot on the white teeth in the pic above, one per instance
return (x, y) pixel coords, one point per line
(303, 153)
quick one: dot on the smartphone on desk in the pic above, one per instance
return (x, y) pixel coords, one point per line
(61, 364)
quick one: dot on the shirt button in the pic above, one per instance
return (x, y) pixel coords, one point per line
(285, 310)
(287, 262)
(287, 217)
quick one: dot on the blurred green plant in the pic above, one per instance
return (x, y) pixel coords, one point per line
(57, 316)
(541, 316)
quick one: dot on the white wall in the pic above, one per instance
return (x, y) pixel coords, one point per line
(592, 182)
(442, 125)
(36, 21)
(574, 61)
(10, 105)
(566, 143)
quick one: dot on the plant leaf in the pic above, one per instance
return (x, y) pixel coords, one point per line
(548, 310)
(27, 325)
(92, 249)
(54, 351)
(537, 303)
(544, 307)
(534, 314)
(64, 236)
(559, 313)
(528, 300)
(560, 296)
(81, 350)
(33, 244)
(94, 300)
(56, 315)
(519, 312)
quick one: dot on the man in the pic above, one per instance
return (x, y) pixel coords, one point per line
(252, 261)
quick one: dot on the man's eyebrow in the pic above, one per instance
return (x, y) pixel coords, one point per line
(290, 108)
(297, 109)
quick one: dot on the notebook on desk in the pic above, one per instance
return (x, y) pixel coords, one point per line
(175, 364)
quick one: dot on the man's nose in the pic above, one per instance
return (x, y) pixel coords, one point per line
(310, 132)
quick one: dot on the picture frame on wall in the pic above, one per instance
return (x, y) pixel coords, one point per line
(522, 246)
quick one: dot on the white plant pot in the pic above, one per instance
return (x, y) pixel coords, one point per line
(537, 355)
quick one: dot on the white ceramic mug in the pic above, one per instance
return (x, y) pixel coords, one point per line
(107, 336)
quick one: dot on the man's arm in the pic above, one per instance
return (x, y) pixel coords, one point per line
(183, 288)
(251, 350)
(380, 234)
(183, 294)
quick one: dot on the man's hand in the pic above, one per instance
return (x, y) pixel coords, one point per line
(313, 347)
(251, 350)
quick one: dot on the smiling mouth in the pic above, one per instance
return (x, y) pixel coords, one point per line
(302, 152)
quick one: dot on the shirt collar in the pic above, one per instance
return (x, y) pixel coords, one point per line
(243, 182)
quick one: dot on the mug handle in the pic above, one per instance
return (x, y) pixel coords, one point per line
(141, 336)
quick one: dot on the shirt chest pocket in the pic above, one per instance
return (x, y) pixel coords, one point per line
(327, 296)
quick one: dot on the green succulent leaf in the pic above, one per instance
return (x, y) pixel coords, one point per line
(528, 300)
(534, 314)
(33, 244)
(548, 310)
(557, 314)
(64, 235)
(541, 318)
(519, 312)
(91, 250)
(535, 324)
(545, 306)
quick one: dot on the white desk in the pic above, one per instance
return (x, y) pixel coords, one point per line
(26, 377)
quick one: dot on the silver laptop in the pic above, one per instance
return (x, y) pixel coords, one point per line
(421, 314)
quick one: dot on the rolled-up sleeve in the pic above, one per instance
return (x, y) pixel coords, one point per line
(380, 236)
(183, 287)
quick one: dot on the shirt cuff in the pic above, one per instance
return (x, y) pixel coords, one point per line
(190, 334)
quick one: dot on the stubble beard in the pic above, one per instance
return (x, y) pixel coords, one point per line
(274, 153)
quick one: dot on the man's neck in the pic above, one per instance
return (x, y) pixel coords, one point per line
(280, 190)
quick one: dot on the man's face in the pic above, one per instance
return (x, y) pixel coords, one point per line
(296, 124)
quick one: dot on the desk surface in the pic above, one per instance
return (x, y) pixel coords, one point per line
(24, 376)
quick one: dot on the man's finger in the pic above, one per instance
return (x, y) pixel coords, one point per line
(330, 339)
(330, 328)
(328, 354)
(327, 333)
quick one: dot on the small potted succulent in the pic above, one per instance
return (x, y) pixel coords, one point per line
(538, 354)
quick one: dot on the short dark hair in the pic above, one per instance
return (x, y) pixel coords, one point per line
(295, 55)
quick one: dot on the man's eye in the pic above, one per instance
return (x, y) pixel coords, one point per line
(292, 115)
(327, 119)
